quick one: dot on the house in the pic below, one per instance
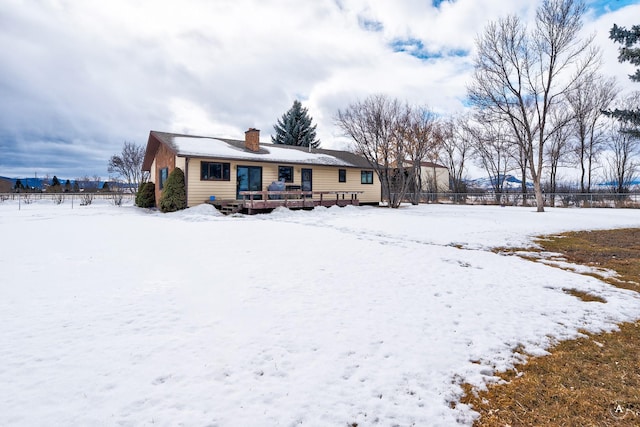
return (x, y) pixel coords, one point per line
(227, 171)
(6, 186)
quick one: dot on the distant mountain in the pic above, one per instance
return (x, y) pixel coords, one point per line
(513, 183)
(510, 183)
(633, 185)
(27, 182)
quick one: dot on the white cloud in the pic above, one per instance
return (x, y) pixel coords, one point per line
(99, 73)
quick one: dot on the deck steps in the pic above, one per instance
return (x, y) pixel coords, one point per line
(230, 208)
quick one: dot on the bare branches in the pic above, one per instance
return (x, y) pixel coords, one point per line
(420, 137)
(372, 124)
(522, 75)
(456, 145)
(129, 165)
(592, 95)
(394, 137)
(494, 151)
(624, 150)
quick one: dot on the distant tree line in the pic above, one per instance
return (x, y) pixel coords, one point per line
(55, 185)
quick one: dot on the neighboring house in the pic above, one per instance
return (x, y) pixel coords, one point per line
(222, 168)
(434, 177)
(6, 186)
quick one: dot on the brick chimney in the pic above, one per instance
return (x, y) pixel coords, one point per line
(252, 139)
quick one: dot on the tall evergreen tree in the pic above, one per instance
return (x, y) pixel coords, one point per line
(631, 54)
(19, 186)
(294, 128)
(56, 186)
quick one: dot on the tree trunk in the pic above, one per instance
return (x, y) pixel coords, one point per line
(539, 196)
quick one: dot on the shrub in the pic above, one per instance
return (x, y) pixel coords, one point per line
(146, 196)
(86, 199)
(174, 195)
(117, 196)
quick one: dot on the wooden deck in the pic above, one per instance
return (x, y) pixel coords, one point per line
(265, 201)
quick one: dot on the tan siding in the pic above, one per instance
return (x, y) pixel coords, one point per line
(325, 178)
(152, 173)
(442, 178)
(199, 191)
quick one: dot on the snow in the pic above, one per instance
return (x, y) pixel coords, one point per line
(211, 147)
(123, 316)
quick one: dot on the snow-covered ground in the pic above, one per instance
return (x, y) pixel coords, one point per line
(122, 316)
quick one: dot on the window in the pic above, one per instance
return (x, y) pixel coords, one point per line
(214, 171)
(164, 174)
(285, 173)
(366, 177)
(342, 175)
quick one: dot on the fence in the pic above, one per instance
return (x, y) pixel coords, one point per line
(582, 200)
(82, 198)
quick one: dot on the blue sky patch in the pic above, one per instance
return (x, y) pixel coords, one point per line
(370, 24)
(600, 7)
(437, 3)
(416, 48)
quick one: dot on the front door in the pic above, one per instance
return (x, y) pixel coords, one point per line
(249, 178)
(307, 179)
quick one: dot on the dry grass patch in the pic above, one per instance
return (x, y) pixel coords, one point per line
(617, 250)
(591, 381)
(584, 296)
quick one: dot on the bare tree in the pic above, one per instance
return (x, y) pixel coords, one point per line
(493, 150)
(624, 150)
(88, 186)
(373, 125)
(520, 75)
(128, 164)
(456, 145)
(587, 101)
(421, 139)
(557, 148)
(522, 161)
(622, 160)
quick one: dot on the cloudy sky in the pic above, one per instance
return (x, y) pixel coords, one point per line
(80, 77)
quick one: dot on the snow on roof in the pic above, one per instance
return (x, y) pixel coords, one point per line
(212, 147)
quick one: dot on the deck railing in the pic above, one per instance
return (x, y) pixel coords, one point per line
(297, 198)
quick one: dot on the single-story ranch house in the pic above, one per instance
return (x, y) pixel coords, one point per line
(223, 171)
